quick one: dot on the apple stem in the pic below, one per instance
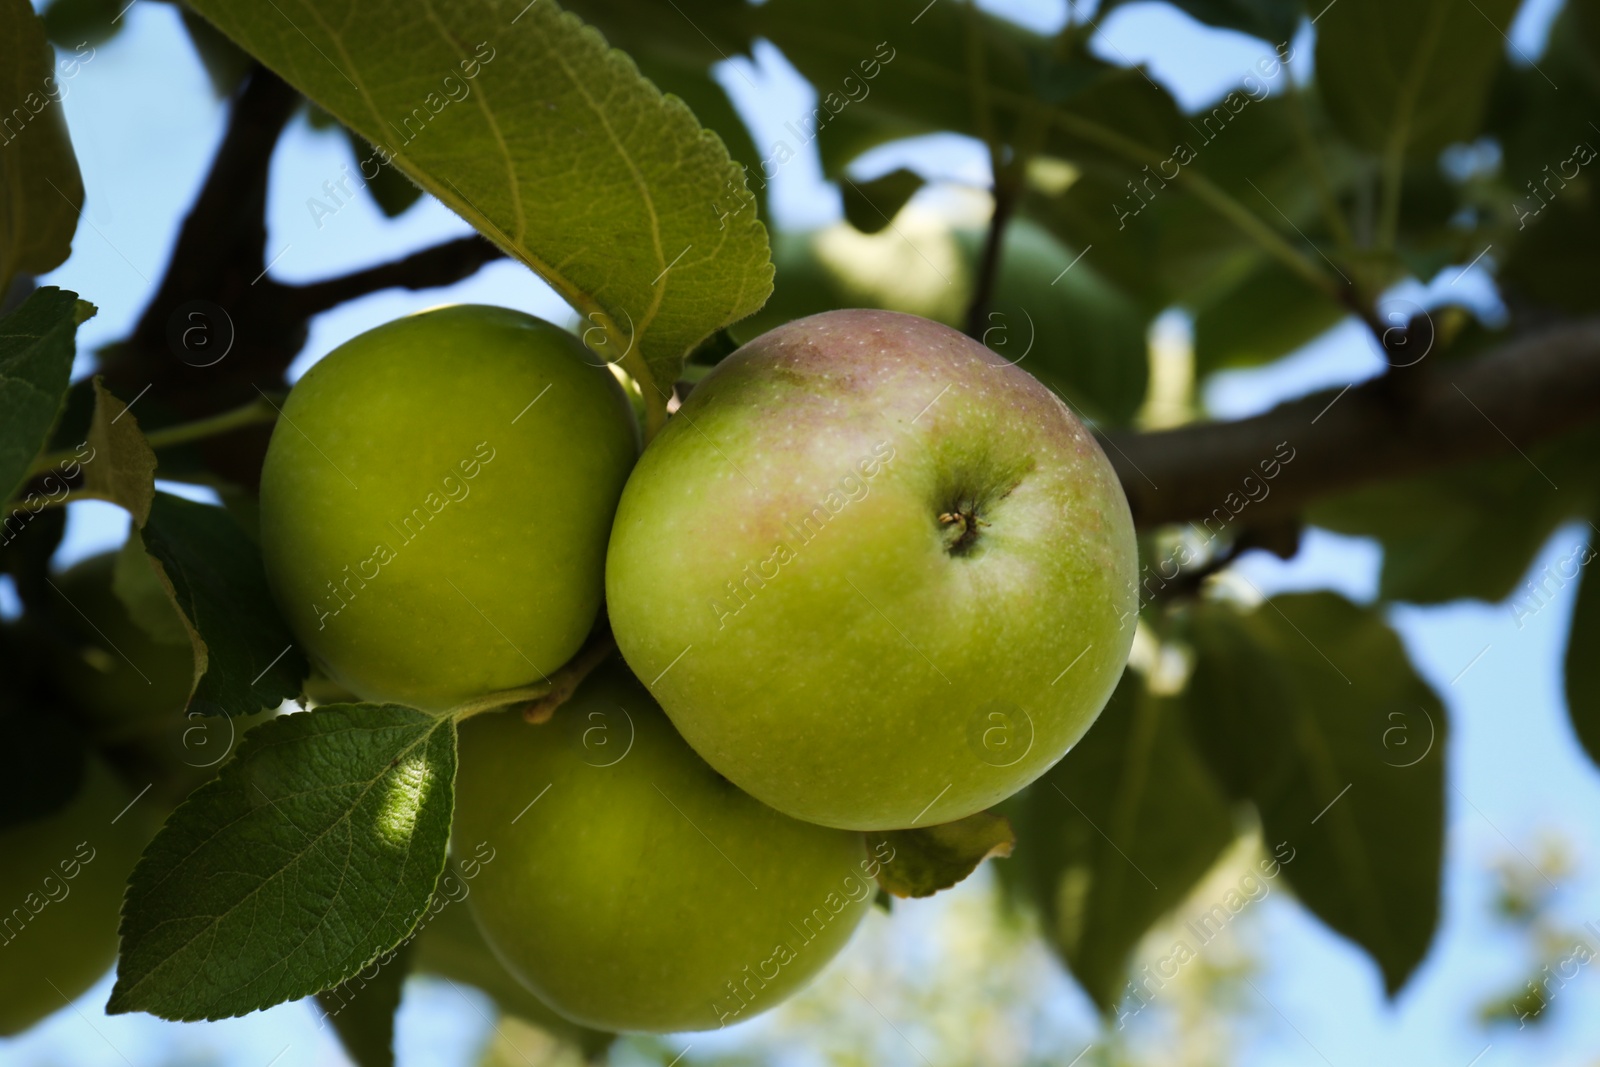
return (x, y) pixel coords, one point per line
(540, 700)
(501, 698)
(566, 680)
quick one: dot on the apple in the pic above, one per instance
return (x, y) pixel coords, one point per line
(630, 886)
(61, 898)
(878, 576)
(450, 947)
(435, 502)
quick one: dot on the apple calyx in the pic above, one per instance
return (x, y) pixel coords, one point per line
(963, 528)
(963, 517)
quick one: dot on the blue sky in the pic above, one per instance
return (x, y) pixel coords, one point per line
(145, 124)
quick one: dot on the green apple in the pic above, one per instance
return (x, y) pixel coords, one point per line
(435, 502)
(877, 576)
(61, 898)
(632, 887)
(450, 946)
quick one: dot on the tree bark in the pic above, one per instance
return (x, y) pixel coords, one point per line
(1405, 422)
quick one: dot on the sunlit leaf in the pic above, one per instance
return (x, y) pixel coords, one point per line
(521, 119)
(316, 850)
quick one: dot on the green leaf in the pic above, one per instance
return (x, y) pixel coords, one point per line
(1117, 834)
(900, 68)
(847, 136)
(26, 547)
(694, 85)
(72, 425)
(869, 206)
(524, 122)
(1583, 660)
(37, 344)
(226, 64)
(1470, 531)
(315, 850)
(1148, 231)
(1554, 258)
(1308, 707)
(893, 62)
(362, 1009)
(73, 22)
(926, 860)
(134, 582)
(1274, 21)
(1543, 200)
(685, 33)
(245, 657)
(1269, 313)
(1434, 231)
(1118, 124)
(122, 467)
(1410, 76)
(391, 190)
(41, 191)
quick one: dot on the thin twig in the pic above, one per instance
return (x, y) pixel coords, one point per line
(258, 411)
(1005, 200)
(254, 413)
(442, 264)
